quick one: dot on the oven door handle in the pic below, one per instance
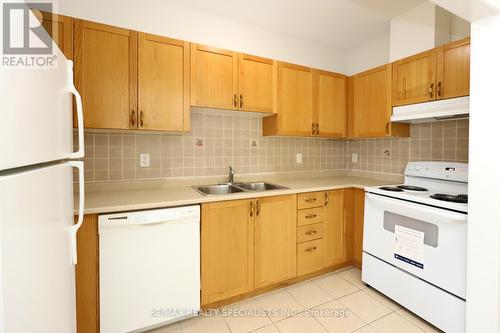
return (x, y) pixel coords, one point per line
(417, 211)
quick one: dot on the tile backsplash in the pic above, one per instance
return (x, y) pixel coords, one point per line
(219, 139)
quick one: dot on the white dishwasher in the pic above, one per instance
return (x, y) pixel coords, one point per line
(149, 268)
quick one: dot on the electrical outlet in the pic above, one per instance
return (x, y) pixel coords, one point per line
(299, 158)
(387, 153)
(144, 160)
(354, 158)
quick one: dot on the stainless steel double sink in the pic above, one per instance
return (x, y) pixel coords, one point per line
(229, 188)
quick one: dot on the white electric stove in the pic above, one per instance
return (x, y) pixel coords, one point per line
(414, 244)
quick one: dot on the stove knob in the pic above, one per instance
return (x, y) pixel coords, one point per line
(418, 168)
(410, 168)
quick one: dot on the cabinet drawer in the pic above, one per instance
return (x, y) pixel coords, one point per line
(310, 256)
(310, 216)
(309, 232)
(308, 200)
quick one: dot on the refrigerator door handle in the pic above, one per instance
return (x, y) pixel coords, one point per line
(79, 113)
(81, 204)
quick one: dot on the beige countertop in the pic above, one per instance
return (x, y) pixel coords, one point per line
(113, 198)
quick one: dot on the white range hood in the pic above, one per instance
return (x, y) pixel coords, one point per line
(452, 108)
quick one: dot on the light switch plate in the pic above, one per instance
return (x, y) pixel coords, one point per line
(354, 158)
(144, 161)
(299, 158)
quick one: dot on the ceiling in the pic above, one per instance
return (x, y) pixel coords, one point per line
(343, 24)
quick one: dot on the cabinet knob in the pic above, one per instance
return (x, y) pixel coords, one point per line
(311, 216)
(312, 232)
(310, 200)
(132, 118)
(311, 249)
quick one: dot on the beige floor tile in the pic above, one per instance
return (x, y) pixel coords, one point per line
(335, 285)
(364, 306)
(365, 329)
(213, 324)
(416, 320)
(382, 299)
(173, 328)
(335, 317)
(394, 323)
(279, 304)
(309, 294)
(353, 275)
(267, 329)
(246, 316)
(300, 324)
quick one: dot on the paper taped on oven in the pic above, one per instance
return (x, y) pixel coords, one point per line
(409, 246)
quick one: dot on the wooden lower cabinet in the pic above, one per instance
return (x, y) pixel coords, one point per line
(335, 244)
(359, 213)
(87, 276)
(275, 240)
(310, 256)
(227, 249)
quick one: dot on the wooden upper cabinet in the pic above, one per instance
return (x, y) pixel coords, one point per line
(371, 109)
(106, 74)
(453, 69)
(60, 28)
(163, 86)
(330, 103)
(275, 240)
(414, 79)
(227, 249)
(295, 102)
(214, 77)
(255, 83)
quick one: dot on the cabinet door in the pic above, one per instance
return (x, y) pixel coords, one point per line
(372, 103)
(453, 69)
(256, 83)
(330, 103)
(334, 228)
(214, 79)
(227, 250)
(295, 100)
(275, 240)
(106, 74)
(60, 28)
(163, 89)
(414, 78)
(359, 215)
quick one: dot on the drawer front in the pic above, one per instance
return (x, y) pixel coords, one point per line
(309, 232)
(310, 216)
(309, 200)
(310, 256)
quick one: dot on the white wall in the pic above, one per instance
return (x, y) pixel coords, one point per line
(413, 31)
(162, 18)
(483, 250)
(372, 54)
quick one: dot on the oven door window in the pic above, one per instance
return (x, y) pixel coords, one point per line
(431, 231)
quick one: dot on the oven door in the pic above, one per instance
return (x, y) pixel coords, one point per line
(438, 258)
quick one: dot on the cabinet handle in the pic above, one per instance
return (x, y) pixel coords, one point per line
(311, 200)
(235, 100)
(312, 232)
(431, 90)
(387, 128)
(251, 209)
(241, 101)
(141, 119)
(317, 129)
(311, 216)
(258, 207)
(132, 119)
(439, 88)
(311, 249)
(326, 199)
(313, 129)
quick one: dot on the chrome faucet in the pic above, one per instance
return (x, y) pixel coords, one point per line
(231, 175)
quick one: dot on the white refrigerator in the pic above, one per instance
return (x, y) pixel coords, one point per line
(37, 228)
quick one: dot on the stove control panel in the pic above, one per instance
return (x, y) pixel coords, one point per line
(439, 170)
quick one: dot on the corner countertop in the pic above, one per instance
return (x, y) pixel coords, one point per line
(115, 199)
